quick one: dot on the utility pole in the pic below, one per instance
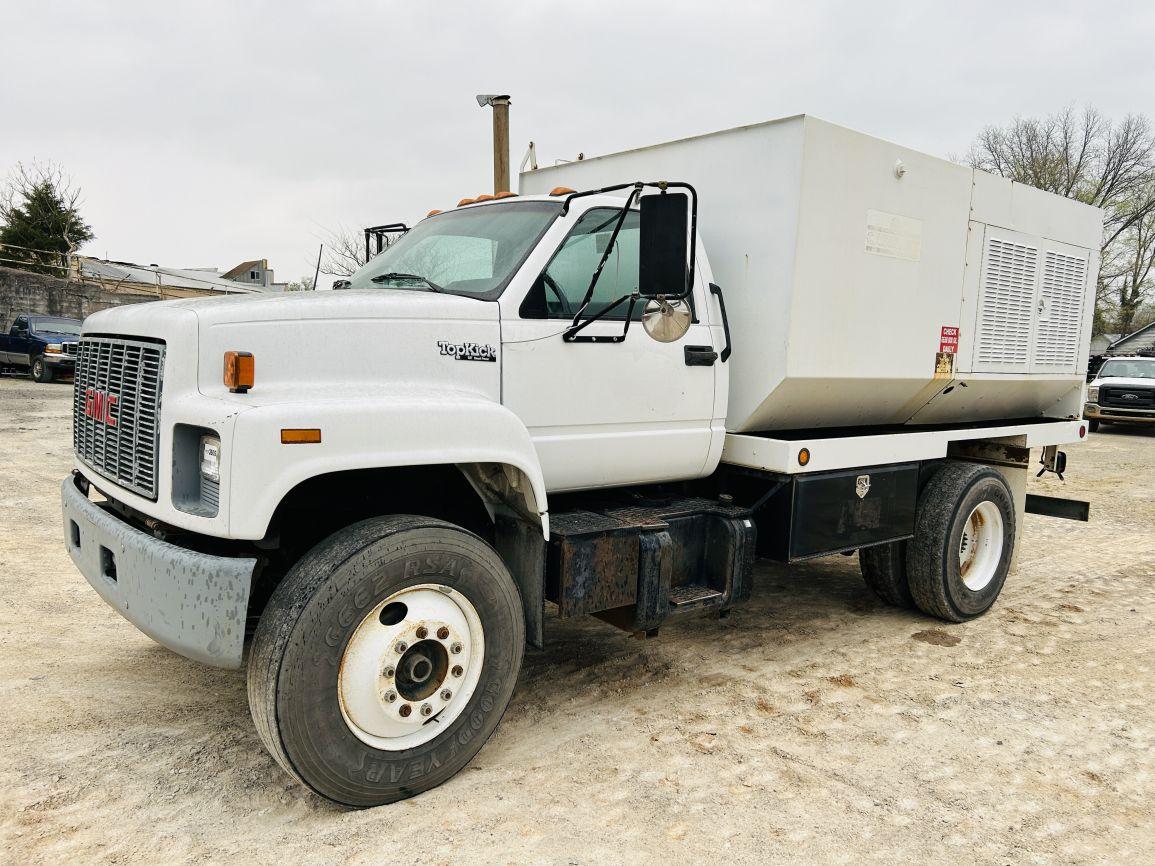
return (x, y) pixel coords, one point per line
(500, 105)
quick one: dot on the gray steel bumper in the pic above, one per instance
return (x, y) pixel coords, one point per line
(192, 603)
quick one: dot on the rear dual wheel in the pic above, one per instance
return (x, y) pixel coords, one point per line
(385, 659)
(955, 566)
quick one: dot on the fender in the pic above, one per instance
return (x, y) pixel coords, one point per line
(411, 427)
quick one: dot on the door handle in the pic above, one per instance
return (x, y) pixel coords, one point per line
(717, 292)
(700, 356)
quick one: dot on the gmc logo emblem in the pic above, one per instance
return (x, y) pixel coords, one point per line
(98, 405)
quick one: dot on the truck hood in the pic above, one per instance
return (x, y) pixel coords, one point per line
(310, 344)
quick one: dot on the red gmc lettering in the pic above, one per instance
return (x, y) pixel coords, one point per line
(98, 405)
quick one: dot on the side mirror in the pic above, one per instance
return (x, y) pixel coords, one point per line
(663, 245)
(341, 284)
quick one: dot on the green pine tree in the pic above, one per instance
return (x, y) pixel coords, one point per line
(41, 225)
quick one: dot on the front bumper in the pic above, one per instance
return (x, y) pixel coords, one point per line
(193, 603)
(1113, 413)
(66, 362)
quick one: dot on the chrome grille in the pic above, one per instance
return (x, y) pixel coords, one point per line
(119, 438)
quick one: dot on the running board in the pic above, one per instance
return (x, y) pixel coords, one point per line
(1056, 506)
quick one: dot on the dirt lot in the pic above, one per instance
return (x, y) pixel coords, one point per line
(815, 725)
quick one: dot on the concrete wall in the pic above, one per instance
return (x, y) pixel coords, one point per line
(27, 292)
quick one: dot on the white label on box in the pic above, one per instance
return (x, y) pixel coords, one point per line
(889, 234)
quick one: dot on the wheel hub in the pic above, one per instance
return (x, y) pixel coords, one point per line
(981, 546)
(411, 667)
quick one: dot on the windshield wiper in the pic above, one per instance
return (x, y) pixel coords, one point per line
(392, 275)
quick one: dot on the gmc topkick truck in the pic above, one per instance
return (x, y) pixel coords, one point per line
(604, 395)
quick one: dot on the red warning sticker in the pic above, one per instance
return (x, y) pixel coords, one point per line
(948, 340)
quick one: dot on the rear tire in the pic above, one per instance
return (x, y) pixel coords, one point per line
(40, 371)
(884, 570)
(1093, 424)
(335, 690)
(957, 562)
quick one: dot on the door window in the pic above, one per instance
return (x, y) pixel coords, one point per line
(559, 289)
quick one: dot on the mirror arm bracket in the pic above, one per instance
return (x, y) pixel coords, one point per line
(636, 187)
(571, 333)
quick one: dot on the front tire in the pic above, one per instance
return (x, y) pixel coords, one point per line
(964, 538)
(385, 659)
(1093, 425)
(40, 371)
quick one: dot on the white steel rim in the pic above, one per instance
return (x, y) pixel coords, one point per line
(372, 689)
(981, 546)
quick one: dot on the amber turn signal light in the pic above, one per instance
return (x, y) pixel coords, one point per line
(240, 371)
(300, 436)
(803, 456)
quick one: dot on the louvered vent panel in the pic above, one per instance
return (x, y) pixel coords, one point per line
(1057, 334)
(1008, 297)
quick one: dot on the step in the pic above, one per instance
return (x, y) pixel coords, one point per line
(693, 595)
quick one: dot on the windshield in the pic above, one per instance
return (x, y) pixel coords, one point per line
(56, 326)
(1128, 369)
(473, 251)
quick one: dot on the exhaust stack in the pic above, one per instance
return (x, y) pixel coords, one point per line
(500, 105)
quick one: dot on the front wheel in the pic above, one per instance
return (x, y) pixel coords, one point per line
(385, 659)
(41, 372)
(1093, 424)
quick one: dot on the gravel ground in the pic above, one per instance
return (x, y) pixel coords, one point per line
(815, 725)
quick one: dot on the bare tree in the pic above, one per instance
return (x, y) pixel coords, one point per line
(344, 251)
(1087, 157)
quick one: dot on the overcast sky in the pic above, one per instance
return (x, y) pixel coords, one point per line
(207, 133)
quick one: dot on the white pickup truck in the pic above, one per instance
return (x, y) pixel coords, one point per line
(605, 395)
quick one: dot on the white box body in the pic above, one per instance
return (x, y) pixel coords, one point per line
(844, 257)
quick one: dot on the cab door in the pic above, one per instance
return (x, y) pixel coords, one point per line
(604, 413)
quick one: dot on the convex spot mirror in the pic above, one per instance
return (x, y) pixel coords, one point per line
(663, 244)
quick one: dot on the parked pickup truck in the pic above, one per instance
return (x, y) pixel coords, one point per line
(42, 345)
(1123, 392)
(602, 396)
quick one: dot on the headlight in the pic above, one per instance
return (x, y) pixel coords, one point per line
(1093, 394)
(54, 349)
(211, 458)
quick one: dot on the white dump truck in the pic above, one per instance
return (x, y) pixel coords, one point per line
(604, 395)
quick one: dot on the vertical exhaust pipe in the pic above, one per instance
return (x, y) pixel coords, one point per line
(500, 105)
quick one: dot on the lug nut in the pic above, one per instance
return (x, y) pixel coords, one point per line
(443, 632)
(458, 670)
(426, 710)
(422, 633)
(389, 672)
(446, 694)
(405, 711)
(391, 696)
(456, 648)
(401, 646)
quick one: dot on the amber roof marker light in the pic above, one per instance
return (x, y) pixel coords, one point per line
(803, 456)
(240, 371)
